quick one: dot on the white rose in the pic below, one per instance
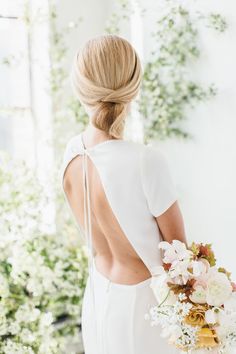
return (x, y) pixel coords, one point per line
(219, 289)
(230, 303)
(159, 287)
(161, 290)
(199, 295)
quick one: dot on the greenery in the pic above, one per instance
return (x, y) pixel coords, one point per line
(42, 276)
(215, 21)
(123, 9)
(167, 88)
(49, 272)
(21, 198)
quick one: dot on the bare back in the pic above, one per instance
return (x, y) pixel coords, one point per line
(115, 254)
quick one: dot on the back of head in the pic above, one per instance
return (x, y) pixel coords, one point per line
(106, 76)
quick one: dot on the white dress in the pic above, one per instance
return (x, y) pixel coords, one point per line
(138, 185)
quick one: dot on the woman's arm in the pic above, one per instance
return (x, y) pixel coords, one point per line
(171, 224)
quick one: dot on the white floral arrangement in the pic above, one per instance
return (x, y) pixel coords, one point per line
(41, 284)
(42, 276)
(196, 300)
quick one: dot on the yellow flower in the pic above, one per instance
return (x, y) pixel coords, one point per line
(196, 316)
(207, 338)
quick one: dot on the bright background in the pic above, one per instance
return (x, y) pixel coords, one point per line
(204, 168)
(31, 111)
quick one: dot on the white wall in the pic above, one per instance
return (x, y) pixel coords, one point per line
(93, 14)
(204, 168)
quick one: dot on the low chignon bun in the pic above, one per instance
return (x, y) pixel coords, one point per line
(106, 76)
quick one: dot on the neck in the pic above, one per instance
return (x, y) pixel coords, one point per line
(94, 135)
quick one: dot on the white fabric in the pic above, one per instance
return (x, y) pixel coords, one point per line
(138, 185)
(121, 326)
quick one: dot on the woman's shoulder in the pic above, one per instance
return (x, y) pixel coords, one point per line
(148, 152)
(130, 147)
(71, 147)
(134, 152)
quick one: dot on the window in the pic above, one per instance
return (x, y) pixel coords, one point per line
(15, 118)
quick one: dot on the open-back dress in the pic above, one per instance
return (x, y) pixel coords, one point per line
(138, 186)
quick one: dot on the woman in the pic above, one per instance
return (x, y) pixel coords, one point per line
(123, 198)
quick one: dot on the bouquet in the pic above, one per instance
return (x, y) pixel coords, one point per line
(196, 300)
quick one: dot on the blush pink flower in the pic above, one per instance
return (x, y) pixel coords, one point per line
(233, 286)
(201, 281)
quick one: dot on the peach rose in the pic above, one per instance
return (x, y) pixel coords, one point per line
(233, 286)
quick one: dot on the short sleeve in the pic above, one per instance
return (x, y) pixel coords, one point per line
(158, 184)
(67, 156)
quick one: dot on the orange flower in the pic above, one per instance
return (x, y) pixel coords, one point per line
(207, 338)
(196, 316)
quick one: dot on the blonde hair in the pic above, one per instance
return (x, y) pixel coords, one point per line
(106, 76)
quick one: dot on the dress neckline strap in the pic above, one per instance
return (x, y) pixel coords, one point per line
(88, 224)
(84, 148)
